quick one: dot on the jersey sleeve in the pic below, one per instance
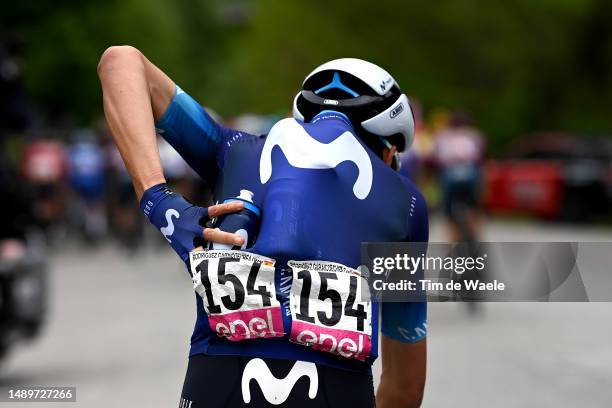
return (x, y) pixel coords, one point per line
(195, 135)
(407, 321)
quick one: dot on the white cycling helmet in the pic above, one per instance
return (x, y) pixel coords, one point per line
(366, 93)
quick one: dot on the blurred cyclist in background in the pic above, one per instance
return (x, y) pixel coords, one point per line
(458, 154)
(44, 167)
(87, 178)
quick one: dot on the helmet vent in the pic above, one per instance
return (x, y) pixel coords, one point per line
(336, 84)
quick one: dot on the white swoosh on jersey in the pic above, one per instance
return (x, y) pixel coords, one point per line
(168, 230)
(303, 151)
(277, 390)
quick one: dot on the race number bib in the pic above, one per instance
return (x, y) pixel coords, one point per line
(239, 295)
(327, 310)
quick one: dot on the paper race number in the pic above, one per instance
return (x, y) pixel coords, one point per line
(327, 311)
(239, 294)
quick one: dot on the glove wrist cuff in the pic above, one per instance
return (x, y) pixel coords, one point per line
(153, 196)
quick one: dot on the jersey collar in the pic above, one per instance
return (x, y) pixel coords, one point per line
(331, 114)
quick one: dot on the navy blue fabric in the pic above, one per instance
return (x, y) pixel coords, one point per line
(308, 214)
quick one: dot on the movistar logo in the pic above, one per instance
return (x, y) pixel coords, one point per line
(384, 84)
(305, 152)
(277, 390)
(168, 230)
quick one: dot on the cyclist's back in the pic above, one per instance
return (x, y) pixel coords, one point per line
(322, 192)
(294, 303)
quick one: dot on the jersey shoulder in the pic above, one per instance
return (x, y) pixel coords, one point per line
(418, 217)
(416, 197)
(238, 142)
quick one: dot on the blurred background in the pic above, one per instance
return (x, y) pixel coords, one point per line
(514, 142)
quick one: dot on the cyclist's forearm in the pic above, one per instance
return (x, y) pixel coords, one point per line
(403, 376)
(129, 110)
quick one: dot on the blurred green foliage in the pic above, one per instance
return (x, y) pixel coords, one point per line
(518, 65)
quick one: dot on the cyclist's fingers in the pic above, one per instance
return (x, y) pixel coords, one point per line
(220, 209)
(222, 237)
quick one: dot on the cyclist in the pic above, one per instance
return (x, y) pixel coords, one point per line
(325, 183)
(87, 178)
(44, 167)
(458, 155)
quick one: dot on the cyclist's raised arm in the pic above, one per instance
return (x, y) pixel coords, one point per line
(135, 92)
(137, 97)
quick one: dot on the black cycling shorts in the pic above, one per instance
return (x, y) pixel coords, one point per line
(460, 185)
(238, 381)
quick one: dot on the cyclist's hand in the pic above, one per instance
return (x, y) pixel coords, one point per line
(215, 234)
(182, 223)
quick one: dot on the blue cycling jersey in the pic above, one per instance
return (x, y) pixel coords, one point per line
(87, 176)
(322, 192)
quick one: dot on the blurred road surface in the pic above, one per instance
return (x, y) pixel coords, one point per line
(119, 329)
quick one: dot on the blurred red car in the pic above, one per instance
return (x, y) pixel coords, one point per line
(556, 176)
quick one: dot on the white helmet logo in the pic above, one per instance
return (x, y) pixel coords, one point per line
(383, 84)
